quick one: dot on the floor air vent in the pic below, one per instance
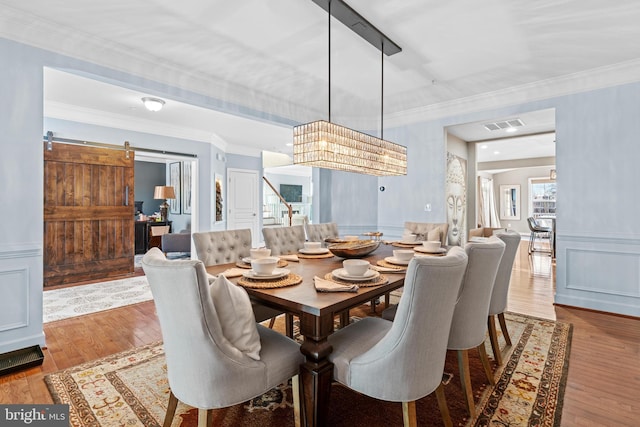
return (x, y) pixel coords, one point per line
(20, 359)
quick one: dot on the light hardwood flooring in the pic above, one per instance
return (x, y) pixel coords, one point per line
(603, 386)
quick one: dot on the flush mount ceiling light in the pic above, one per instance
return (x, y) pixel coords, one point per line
(152, 104)
(328, 145)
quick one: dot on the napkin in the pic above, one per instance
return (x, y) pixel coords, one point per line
(382, 269)
(292, 257)
(233, 272)
(323, 285)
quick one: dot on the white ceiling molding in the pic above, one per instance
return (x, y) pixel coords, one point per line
(613, 75)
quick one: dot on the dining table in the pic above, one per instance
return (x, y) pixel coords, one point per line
(316, 312)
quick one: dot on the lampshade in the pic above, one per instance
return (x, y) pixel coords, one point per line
(152, 104)
(328, 145)
(164, 192)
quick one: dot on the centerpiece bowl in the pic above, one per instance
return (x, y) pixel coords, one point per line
(352, 248)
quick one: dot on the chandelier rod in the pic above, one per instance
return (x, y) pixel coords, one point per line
(382, 92)
(329, 27)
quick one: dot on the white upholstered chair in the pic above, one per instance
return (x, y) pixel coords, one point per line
(205, 368)
(428, 230)
(230, 246)
(469, 327)
(500, 292)
(319, 232)
(284, 240)
(403, 360)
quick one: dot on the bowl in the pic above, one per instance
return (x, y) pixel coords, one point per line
(403, 254)
(409, 238)
(354, 248)
(355, 267)
(264, 266)
(431, 245)
(257, 253)
(312, 245)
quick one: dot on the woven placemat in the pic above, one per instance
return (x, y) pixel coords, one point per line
(405, 245)
(314, 256)
(281, 263)
(383, 263)
(288, 280)
(380, 280)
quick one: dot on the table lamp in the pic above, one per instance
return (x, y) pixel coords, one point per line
(164, 192)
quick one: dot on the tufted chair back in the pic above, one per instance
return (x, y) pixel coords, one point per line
(222, 247)
(319, 232)
(284, 240)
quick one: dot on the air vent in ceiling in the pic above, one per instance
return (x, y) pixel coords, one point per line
(514, 123)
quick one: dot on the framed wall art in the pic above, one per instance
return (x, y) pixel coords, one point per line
(186, 187)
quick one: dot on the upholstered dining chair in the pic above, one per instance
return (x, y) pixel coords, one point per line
(230, 246)
(216, 357)
(468, 327)
(319, 232)
(284, 240)
(500, 292)
(402, 361)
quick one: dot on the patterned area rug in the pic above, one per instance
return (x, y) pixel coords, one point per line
(73, 301)
(130, 389)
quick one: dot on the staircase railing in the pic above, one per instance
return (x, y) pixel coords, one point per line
(276, 208)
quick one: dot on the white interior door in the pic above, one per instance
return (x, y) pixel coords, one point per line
(242, 209)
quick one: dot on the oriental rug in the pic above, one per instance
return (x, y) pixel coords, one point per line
(131, 389)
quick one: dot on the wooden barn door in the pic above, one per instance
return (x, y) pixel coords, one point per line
(88, 213)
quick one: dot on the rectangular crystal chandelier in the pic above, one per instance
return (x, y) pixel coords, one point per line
(328, 145)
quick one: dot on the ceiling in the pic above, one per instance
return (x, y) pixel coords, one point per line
(267, 60)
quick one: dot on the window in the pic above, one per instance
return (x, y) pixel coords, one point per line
(542, 197)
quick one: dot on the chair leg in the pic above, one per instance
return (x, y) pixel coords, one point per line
(444, 408)
(493, 338)
(272, 322)
(205, 417)
(532, 239)
(295, 390)
(485, 364)
(409, 417)
(465, 380)
(171, 409)
(503, 326)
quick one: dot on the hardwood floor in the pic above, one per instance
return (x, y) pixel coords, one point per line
(604, 374)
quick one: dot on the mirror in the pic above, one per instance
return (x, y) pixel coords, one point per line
(510, 202)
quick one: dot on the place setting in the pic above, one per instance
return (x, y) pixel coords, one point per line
(314, 250)
(354, 273)
(430, 248)
(407, 241)
(264, 274)
(399, 261)
(258, 253)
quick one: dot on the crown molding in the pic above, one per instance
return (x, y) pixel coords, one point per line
(584, 81)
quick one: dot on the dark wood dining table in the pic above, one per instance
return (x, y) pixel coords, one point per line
(316, 312)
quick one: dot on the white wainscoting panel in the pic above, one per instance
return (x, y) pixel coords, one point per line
(598, 273)
(14, 306)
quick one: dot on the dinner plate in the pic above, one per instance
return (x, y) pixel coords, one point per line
(413, 243)
(341, 273)
(247, 260)
(427, 251)
(319, 251)
(396, 261)
(276, 274)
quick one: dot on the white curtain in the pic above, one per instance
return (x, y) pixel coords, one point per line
(488, 213)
